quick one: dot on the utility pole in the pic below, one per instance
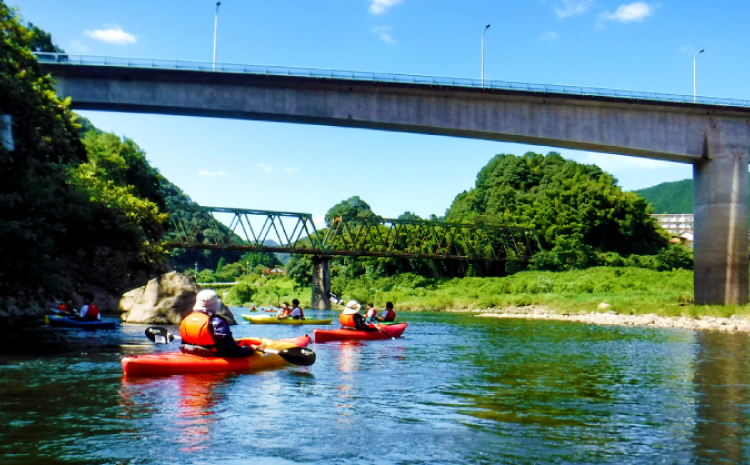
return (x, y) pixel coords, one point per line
(485, 30)
(216, 26)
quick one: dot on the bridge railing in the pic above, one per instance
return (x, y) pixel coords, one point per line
(296, 233)
(90, 60)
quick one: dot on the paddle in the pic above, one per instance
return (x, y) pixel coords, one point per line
(294, 355)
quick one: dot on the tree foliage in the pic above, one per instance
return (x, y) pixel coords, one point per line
(67, 219)
(566, 202)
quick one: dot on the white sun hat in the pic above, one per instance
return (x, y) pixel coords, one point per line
(207, 301)
(352, 307)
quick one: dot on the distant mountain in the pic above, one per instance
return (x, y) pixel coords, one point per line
(670, 197)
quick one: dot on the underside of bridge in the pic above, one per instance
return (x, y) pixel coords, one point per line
(715, 139)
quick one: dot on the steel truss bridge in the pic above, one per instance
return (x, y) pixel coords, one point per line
(270, 231)
(295, 233)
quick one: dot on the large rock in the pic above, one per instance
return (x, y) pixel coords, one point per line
(165, 300)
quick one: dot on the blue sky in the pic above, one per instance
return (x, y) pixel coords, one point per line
(645, 46)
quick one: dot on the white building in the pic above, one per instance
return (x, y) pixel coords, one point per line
(676, 223)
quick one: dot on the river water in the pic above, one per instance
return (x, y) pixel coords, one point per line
(454, 390)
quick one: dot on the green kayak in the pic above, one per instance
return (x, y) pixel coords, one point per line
(273, 320)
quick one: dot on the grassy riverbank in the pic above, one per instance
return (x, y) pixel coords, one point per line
(625, 290)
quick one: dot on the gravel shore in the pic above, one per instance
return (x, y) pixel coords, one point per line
(733, 324)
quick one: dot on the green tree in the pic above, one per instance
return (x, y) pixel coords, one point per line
(560, 198)
(221, 264)
(353, 206)
(64, 223)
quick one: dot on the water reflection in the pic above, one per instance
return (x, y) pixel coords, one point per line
(721, 382)
(188, 401)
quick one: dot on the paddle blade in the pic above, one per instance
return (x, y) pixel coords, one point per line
(159, 335)
(294, 355)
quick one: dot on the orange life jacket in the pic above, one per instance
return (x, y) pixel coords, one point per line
(92, 313)
(65, 308)
(195, 329)
(347, 320)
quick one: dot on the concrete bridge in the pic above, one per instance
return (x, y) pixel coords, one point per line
(711, 134)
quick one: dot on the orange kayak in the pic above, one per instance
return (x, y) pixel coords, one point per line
(178, 363)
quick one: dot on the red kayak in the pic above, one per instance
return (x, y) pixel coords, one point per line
(179, 363)
(387, 332)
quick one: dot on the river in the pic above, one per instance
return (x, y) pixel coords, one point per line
(454, 390)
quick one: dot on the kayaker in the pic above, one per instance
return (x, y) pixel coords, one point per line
(286, 310)
(350, 318)
(371, 315)
(388, 313)
(206, 333)
(89, 311)
(297, 313)
(66, 308)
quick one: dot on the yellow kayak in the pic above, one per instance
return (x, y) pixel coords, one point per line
(273, 320)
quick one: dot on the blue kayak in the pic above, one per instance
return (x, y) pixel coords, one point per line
(73, 322)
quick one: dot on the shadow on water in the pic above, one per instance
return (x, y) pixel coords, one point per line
(722, 401)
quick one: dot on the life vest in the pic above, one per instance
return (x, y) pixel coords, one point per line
(347, 320)
(301, 313)
(195, 330)
(389, 315)
(92, 313)
(65, 308)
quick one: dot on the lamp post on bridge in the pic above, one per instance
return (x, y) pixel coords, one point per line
(485, 30)
(216, 26)
(694, 86)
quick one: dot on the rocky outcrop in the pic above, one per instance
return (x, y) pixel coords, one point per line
(164, 300)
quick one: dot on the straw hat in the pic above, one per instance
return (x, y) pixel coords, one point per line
(352, 307)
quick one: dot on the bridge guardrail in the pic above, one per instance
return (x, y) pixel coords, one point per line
(91, 60)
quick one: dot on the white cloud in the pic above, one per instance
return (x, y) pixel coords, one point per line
(549, 36)
(379, 7)
(291, 170)
(211, 173)
(319, 221)
(265, 167)
(385, 34)
(78, 47)
(113, 35)
(637, 11)
(573, 7)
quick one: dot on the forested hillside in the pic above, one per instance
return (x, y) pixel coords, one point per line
(670, 197)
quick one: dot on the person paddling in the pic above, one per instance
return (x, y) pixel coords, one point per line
(388, 314)
(66, 308)
(89, 311)
(297, 313)
(371, 315)
(350, 318)
(285, 312)
(206, 333)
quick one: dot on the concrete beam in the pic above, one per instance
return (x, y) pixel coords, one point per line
(721, 217)
(321, 287)
(631, 127)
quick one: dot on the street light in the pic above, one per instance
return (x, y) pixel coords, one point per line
(485, 30)
(696, 56)
(216, 26)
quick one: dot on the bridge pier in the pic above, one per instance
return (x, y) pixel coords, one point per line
(720, 203)
(321, 283)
